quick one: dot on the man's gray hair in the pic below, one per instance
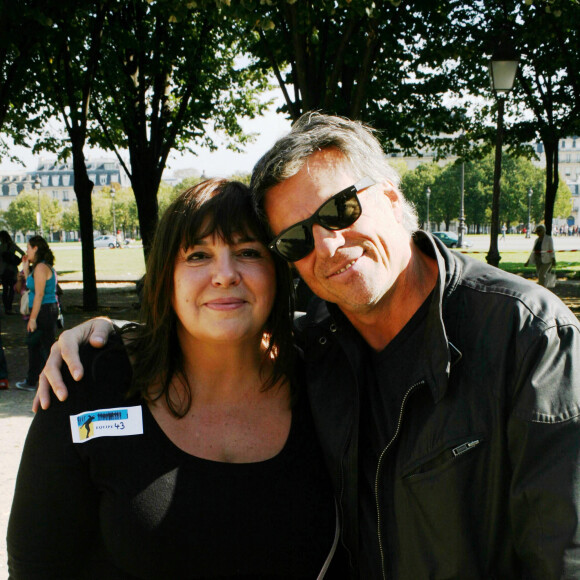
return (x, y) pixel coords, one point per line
(314, 132)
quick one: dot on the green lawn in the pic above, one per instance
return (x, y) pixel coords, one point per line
(128, 263)
(125, 264)
(568, 264)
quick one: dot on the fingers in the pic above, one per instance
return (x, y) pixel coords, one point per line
(66, 349)
(99, 331)
(50, 378)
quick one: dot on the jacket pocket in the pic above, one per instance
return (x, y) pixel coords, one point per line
(442, 458)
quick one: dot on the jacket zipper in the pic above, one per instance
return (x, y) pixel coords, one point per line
(379, 465)
(330, 556)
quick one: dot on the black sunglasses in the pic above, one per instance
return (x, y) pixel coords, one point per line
(337, 213)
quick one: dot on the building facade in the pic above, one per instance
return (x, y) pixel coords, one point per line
(56, 179)
(569, 168)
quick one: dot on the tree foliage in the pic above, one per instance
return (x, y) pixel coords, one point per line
(445, 185)
(169, 71)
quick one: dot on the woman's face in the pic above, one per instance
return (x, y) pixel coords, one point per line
(31, 252)
(223, 293)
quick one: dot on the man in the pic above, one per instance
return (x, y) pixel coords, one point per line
(542, 255)
(444, 391)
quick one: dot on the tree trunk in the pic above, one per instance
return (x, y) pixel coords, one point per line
(145, 181)
(83, 189)
(552, 181)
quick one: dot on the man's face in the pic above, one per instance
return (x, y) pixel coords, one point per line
(355, 267)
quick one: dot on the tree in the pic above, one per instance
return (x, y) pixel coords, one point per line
(70, 218)
(377, 61)
(21, 26)
(545, 101)
(414, 185)
(21, 214)
(168, 69)
(70, 57)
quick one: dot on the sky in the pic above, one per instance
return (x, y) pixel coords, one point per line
(221, 163)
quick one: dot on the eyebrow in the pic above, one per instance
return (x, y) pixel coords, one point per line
(240, 240)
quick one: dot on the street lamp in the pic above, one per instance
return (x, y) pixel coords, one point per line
(37, 184)
(462, 207)
(530, 191)
(428, 194)
(502, 69)
(114, 216)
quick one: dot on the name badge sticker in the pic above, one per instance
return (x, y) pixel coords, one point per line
(116, 422)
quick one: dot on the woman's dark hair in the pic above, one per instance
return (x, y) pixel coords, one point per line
(43, 252)
(215, 206)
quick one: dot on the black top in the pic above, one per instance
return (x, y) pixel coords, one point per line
(136, 506)
(389, 374)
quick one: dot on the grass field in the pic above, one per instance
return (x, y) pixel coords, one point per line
(567, 265)
(128, 263)
(125, 264)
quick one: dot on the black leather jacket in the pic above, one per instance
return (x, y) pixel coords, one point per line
(486, 453)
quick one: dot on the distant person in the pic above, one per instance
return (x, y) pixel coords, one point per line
(503, 231)
(41, 326)
(543, 255)
(10, 258)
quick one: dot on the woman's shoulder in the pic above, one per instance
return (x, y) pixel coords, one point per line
(106, 380)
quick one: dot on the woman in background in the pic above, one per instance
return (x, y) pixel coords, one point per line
(37, 266)
(188, 449)
(9, 261)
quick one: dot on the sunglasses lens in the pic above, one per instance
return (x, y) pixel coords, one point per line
(339, 212)
(295, 243)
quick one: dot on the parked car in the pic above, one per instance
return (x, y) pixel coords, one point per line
(105, 242)
(451, 240)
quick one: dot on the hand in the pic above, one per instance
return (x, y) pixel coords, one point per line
(31, 326)
(96, 332)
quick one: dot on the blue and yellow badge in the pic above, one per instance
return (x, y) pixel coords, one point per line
(116, 422)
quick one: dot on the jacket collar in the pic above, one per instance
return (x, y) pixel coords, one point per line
(440, 354)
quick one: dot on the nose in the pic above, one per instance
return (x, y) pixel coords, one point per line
(326, 242)
(225, 273)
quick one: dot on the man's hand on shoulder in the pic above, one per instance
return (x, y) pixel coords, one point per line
(95, 331)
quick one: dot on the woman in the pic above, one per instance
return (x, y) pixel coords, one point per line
(37, 267)
(9, 261)
(189, 452)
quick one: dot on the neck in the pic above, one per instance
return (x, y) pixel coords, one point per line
(386, 319)
(221, 373)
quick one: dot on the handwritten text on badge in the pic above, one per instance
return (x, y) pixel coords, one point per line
(106, 423)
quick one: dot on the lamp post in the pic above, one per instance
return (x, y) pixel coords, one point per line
(428, 194)
(502, 69)
(530, 192)
(37, 184)
(114, 216)
(462, 208)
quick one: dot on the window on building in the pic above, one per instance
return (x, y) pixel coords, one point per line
(103, 179)
(55, 194)
(563, 146)
(12, 189)
(93, 177)
(567, 159)
(44, 180)
(66, 180)
(54, 180)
